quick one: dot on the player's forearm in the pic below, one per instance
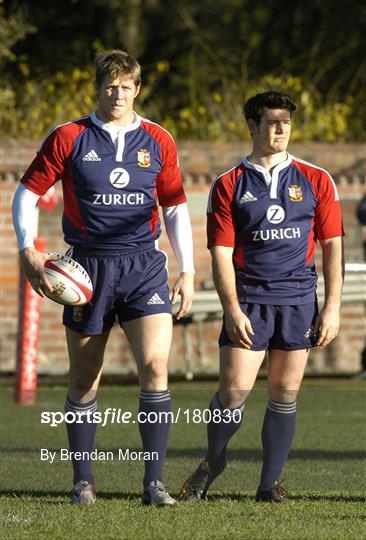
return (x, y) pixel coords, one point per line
(224, 278)
(333, 271)
(25, 216)
(179, 231)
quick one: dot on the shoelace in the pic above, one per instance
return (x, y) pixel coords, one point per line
(281, 492)
(160, 487)
(200, 475)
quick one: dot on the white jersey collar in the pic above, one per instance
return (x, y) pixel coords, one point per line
(117, 133)
(271, 179)
(264, 171)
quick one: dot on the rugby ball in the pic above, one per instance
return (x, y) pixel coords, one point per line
(71, 284)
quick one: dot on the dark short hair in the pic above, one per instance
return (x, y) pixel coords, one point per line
(117, 64)
(253, 108)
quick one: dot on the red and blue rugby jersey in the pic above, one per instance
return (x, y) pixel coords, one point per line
(111, 194)
(273, 223)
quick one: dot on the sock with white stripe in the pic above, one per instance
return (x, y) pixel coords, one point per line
(220, 433)
(81, 437)
(278, 431)
(154, 433)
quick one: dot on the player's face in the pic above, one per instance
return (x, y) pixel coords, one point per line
(272, 134)
(116, 97)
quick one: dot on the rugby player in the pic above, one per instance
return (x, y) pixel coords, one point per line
(115, 168)
(264, 218)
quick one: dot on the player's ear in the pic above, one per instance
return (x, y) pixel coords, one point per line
(253, 127)
(137, 90)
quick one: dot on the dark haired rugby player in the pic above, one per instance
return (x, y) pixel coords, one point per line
(264, 218)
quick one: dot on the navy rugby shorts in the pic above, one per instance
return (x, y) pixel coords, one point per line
(126, 285)
(278, 327)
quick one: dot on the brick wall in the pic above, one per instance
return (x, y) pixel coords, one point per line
(200, 162)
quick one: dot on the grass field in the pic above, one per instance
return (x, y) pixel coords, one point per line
(325, 475)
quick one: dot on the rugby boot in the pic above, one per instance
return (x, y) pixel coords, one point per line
(196, 486)
(275, 493)
(83, 493)
(155, 493)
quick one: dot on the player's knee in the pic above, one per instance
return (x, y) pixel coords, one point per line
(154, 370)
(83, 380)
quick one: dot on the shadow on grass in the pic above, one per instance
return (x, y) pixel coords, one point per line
(63, 494)
(255, 454)
(238, 454)
(242, 497)
(118, 495)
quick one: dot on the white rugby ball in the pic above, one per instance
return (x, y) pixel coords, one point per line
(71, 284)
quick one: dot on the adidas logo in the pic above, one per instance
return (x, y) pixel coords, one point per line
(248, 197)
(309, 333)
(155, 299)
(91, 156)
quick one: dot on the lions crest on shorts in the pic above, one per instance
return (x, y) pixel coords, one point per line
(143, 157)
(77, 314)
(295, 193)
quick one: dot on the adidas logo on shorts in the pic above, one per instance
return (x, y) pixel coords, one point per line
(248, 197)
(91, 156)
(155, 299)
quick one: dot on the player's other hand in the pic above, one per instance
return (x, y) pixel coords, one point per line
(239, 328)
(327, 325)
(33, 265)
(183, 287)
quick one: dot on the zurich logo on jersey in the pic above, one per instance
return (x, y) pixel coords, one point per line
(119, 178)
(275, 214)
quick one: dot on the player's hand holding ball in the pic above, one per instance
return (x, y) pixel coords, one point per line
(59, 277)
(70, 282)
(33, 262)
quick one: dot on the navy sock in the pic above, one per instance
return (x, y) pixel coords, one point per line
(219, 433)
(154, 433)
(277, 435)
(81, 436)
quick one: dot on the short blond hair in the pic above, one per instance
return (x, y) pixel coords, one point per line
(118, 64)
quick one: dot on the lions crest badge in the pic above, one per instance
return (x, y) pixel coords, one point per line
(143, 157)
(77, 314)
(59, 288)
(295, 193)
